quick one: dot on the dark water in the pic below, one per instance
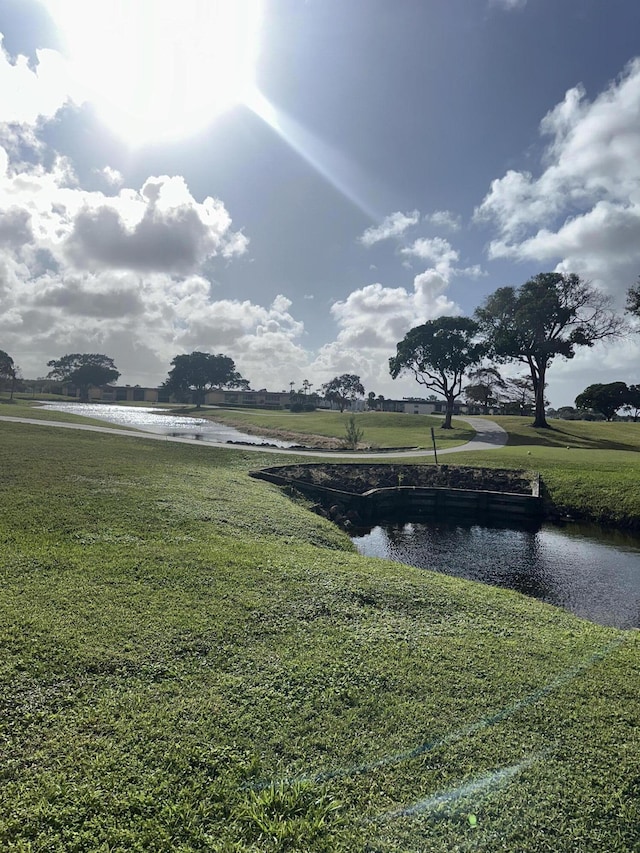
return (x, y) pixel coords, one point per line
(590, 572)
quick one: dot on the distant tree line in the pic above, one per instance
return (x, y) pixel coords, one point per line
(550, 315)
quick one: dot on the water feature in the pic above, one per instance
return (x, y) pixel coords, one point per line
(155, 420)
(590, 572)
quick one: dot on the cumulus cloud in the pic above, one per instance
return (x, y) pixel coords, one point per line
(112, 177)
(393, 225)
(173, 234)
(160, 228)
(437, 250)
(83, 271)
(33, 93)
(443, 219)
(583, 209)
(442, 255)
(15, 227)
(372, 319)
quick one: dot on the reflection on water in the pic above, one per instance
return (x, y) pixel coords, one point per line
(153, 420)
(592, 573)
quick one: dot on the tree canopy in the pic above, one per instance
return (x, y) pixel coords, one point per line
(606, 399)
(550, 315)
(343, 389)
(439, 353)
(199, 372)
(485, 384)
(633, 401)
(7, 369)
(633, 300)
(84, 371)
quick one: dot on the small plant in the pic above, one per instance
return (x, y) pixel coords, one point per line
(291, 817)
(352, 434)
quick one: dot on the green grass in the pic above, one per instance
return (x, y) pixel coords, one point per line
(590, 471)
(192, 662)
(381, 429)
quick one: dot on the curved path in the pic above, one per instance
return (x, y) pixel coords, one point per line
(489, 436)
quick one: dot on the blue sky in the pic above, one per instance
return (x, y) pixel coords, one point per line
(375, 164)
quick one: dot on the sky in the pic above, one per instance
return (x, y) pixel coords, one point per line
(297, 183)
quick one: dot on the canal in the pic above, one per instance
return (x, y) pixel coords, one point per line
(591, 572)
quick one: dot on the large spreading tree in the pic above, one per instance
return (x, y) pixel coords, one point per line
(548, 316)
(343, 389)
(84, 371)
(438, 354)
(604, 398)
(199, 372)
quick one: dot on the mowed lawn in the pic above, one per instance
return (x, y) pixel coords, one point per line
(380, 429)
(589, 470)
(193, 662)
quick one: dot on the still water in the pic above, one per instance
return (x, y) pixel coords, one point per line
(153, 420)
(590, 572)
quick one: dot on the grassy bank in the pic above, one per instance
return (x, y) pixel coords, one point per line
(590, 471)
(190, 662)
(380, 429)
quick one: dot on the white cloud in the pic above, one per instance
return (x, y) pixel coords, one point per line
(603, 363)
(393, 225)
(583, 210)
(173, 234)
(29, 94)
(443, 219)
(371, 321)
(509, 4)
(84, 271)
(112, 177)
(160, 228)
(436, 249)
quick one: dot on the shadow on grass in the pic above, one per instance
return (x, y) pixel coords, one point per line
(568, 435)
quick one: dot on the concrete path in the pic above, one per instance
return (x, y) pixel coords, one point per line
(489, 436)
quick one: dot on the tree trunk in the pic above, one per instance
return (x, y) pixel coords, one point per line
(446, 424)
(540, 418)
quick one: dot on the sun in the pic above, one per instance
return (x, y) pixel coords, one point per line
(160, 69)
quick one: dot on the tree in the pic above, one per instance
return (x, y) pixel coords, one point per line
(8, 370)
(485, 383)
(548, 316)
(84, 371)
(439, 353)
(371, 400)
(633, 402)
(633, 300)
(519, 396)
(343, 389)
(199, 372)
(606, 399)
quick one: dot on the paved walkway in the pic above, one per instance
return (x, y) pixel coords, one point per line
(489, 436)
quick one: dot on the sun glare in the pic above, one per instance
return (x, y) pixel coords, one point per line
(160, 69)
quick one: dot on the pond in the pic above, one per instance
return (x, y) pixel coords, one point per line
(155, 420)
(590, 572)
